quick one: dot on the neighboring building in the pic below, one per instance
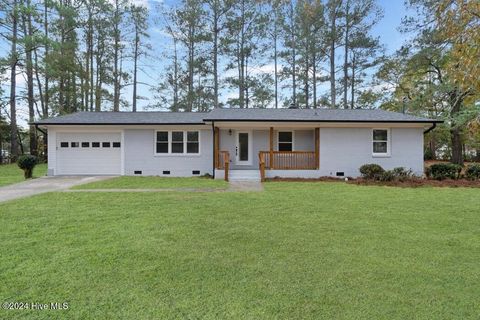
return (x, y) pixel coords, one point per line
(305, 143)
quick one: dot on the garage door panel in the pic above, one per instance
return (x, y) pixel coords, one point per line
(88, 160)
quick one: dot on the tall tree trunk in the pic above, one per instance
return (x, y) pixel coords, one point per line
(314, 71)
(345, 62)
(294, 55)
(116, 56)
(241, 87)
(275, 59)
(456, 130)
(46, 76)
(27, 30)
(352, 88)
(333, 22)
(306, 82)
(215, 54)
(175, 76)
(135, 58)
(13, 85)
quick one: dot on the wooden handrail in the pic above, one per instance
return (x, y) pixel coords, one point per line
(261, 165)
(289, 160)
(224, 162)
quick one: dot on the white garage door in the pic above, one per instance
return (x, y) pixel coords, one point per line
(96, 153)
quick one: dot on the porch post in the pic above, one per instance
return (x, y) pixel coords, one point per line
(317, 148)
(271, 149)
(216, 146)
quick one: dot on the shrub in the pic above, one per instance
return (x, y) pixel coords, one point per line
(27, 163)
(473, 172)
(371, 171)
(402, 174)
(441, 171)
(388, 175)
(427, 154)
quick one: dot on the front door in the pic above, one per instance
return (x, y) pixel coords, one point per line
(243, 148)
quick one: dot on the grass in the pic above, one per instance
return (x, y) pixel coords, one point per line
(11, 173)
(294, 251)
(129, 182)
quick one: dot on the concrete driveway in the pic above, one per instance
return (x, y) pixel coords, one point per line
(44, 184)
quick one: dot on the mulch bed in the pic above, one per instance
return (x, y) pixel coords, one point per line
(413, 183)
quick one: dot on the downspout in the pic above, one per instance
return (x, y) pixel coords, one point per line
(434, 125)
(213, 148)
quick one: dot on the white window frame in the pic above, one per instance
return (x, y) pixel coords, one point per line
(293, 139)
(388, 141)
(169, 141)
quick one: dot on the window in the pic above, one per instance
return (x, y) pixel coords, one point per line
(177, 142)
(63, 144)
(192, 142)
(162, 142)
(105, 144)
(285, 141)
(116, 144)
(74, 144)
(95, 144)
(166, 172)
(85, 144)
(381, 142)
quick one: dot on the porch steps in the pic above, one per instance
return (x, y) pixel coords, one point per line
(244, 175)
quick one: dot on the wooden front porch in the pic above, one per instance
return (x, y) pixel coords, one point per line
(272, 159)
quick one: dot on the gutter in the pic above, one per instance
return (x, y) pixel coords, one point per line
(117, 124)
(326, 121)
(434, 125)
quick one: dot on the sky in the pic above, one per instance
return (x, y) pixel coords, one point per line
(386, 29)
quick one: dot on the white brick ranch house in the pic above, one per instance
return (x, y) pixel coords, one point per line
(237, 143)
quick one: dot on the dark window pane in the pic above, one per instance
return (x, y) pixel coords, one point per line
(243, 146)
(285, 147)
(85, 144)
(64, 144)
(192, 136)
(162, 147)
(74, 144)
(106, 144)
(285, 137)
(381, 135)
(379, 147)
(177, 147)
(95, 144)
(116, 144)
(192, 147)
(177, 136)
(162, 136)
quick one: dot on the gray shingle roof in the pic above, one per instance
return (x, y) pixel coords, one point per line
(312, 115)
(127, 118)
(295, 115)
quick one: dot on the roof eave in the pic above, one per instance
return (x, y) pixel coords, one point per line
(329, 121)
(114, 124)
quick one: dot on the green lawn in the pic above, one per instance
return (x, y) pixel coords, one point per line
(129, 182)
(295, 251)
(11, 173)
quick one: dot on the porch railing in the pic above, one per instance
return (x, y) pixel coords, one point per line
(288, 160)
(224, 162)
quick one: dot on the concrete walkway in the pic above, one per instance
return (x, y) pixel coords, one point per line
(43, 185)
(242, 186)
